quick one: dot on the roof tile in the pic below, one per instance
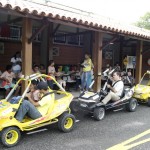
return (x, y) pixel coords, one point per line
(61, 12)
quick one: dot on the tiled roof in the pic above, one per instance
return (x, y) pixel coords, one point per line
(79, 17)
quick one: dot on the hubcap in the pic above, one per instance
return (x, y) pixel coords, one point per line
(11, 137)
(133, 105)
(68, 123)
(101, 113)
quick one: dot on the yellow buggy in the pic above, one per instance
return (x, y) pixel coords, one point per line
(10, 128)
(142, 90)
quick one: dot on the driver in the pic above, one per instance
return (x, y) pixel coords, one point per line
(116, 89)
(36, 109)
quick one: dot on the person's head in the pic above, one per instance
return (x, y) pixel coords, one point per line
(116, 75)
(51, 63)
(110, 68)
(117, 64)
(42, 87)
(33, 85)
(129, 70)
(36, 68)
(42, 66)
(107, 66)
(87, 56)
(17, 55)
(8, 68)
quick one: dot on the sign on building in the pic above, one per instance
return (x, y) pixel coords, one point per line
(131, 61)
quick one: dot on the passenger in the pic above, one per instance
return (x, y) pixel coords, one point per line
(116, 89)
(7, 78)
(36, 109)
(34, 92)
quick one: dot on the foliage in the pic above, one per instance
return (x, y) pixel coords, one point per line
(144, 21)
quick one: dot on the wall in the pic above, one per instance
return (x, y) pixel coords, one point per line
(68, 54)
(10, 48)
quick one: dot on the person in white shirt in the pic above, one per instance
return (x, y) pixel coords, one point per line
(116, 89)
(7, 78)
(16, 63)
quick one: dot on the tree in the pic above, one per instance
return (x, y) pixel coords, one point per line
(144, 21)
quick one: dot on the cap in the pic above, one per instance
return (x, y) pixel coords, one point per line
(42, 85)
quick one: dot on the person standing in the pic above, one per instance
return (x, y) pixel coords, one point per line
(86, 73)
(16, 63)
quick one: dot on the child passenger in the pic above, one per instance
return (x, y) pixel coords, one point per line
(34, 92)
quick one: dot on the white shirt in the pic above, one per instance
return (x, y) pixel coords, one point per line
(15, 65)
(8, 76)
(51, 71)
(118, 87)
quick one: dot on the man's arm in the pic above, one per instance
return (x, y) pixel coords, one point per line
(111, 88)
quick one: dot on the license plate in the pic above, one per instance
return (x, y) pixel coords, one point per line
(83, 105)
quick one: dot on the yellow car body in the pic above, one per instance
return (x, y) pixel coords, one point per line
(8, 110)
(142, 90)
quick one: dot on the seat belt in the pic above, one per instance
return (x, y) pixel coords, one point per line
(47, 94)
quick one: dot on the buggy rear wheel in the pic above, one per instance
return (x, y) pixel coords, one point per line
(10, 136)
(99, 113)
(66, 122)
(132, 105)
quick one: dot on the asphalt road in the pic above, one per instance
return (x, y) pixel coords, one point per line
(89, 134)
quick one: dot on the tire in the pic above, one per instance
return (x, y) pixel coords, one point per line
(10, 136)
(132, 105)
(66, 122)
(74, 106)
(99, 113)
(148, 102)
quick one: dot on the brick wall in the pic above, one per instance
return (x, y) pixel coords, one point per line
(10, 48)
(68, 55)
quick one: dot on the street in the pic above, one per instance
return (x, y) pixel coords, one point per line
(89, 134)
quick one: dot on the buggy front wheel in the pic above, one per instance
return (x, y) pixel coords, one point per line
(66, 122)
(10, 136)
(132, 105)
(99, 113)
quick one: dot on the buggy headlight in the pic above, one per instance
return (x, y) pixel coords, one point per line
(130, 93)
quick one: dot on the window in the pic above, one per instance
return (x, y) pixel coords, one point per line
(73, 39)
(60, 37)
(15, 32)
(38, 37)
